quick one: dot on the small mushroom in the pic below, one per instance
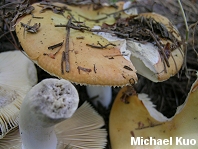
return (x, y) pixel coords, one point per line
(42, 116)
(17, 75)
(137, 119)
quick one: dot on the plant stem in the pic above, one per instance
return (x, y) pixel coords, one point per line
(186, 40)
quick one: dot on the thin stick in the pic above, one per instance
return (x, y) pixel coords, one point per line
(67, 47)
(53, 55)
(9, 4)
(83, 69)
(159, 46)
(11, 42)
(62, 62)
(14, 40)
(82, 29)
(100, 46)
(95, 20)
(5, 33)
(55, 46)
(185, 21)
(186, 42)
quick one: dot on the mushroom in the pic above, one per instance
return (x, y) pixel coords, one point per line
(147, 54)
(153, 44)
(17, 75)
(161, 59)
(76, 54)
(139, 121)
(42, 116)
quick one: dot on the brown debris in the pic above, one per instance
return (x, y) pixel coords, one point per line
(128, 68)
(129, 92)
(32, 29)
(22, 9)
(150, 124)
(83, 69)
(132, 133)
(53, 47)
(56, 9)
(100, 46)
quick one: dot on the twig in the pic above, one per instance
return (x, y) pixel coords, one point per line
(95, 20)
(159, 46)
(149, 126)
(95, 68)
(8, 4)
(186, 40)
(55, 46)
(82, 29)
(4, 34)
(100, 46)
(193, 41)
(62, 62)
(67, 47)
(114, 55)
(185, 21)
(14, 40)
(83, 69)
(52, 47)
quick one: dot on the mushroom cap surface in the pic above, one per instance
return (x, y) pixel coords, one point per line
(150, 63)
(133, 120)
(88, 65)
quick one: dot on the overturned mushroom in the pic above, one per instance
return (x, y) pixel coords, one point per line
(160, 54)
(139, 121)
(151, 43)
(42, 116)
(17, 76)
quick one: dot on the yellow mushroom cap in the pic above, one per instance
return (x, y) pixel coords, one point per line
(145, 56)
(88, 65)
(134, 120)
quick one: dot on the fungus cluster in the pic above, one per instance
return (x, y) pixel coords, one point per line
(91, 45)
(106, 55)
(98, 48)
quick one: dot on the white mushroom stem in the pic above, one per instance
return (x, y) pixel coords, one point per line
(48, 103)
(102, 94)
